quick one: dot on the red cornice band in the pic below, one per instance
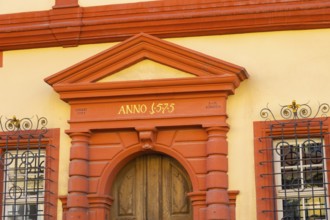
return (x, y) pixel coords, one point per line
(71, 26)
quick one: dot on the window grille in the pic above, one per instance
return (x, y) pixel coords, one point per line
(295, 162)
(300, 174)
(25, 171)
(23, 185)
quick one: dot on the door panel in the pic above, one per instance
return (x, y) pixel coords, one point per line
(151, 187)
(175, 188)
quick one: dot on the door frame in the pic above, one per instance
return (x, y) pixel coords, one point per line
(195, 102)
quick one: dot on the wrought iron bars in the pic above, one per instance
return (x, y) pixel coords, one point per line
(25, 168)
(298, 163)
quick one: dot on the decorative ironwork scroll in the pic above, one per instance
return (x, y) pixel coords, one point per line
(295, 111)
(24, 166)
(33, 124)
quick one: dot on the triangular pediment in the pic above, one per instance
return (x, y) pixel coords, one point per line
(146, 65)
(146, 70)
(143, 48)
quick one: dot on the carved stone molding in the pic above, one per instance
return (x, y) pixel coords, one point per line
(147, 138)
(181, 101)
(198, 198)
(68, 24)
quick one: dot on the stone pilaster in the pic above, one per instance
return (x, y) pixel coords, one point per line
(77, 202)
(217, 199)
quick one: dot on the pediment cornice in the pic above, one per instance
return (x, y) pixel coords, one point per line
(81, 80)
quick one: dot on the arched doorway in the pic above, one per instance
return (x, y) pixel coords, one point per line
(151, 187)
(141, 112)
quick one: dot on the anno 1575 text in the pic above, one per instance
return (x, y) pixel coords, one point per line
(152, 108)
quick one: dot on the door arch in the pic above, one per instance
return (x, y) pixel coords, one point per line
(151, 187)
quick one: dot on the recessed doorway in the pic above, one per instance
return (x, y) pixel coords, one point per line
(152, 187)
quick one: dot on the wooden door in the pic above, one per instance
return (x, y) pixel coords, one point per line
(151, 187)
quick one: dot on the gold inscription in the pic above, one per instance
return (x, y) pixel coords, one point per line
(153, 108)
(132, 109)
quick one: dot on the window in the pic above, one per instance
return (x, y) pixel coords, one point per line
(23, 184)
(292, 169)
(29, 172)
(300, 179)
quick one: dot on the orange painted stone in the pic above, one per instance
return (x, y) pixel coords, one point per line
(1, 58)
(217, 212)
(217, 145)
(217, 163)
(77, 214)
(79, 152)
(77, 200)
(66, 3)
(78, 167)
(78, 184)
(73, 25)
(217, 196)
(217, 179)
(112, 123)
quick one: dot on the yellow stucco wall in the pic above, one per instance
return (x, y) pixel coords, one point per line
(146, 69)
(14, 6)
(25, 94)
(282, 65)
